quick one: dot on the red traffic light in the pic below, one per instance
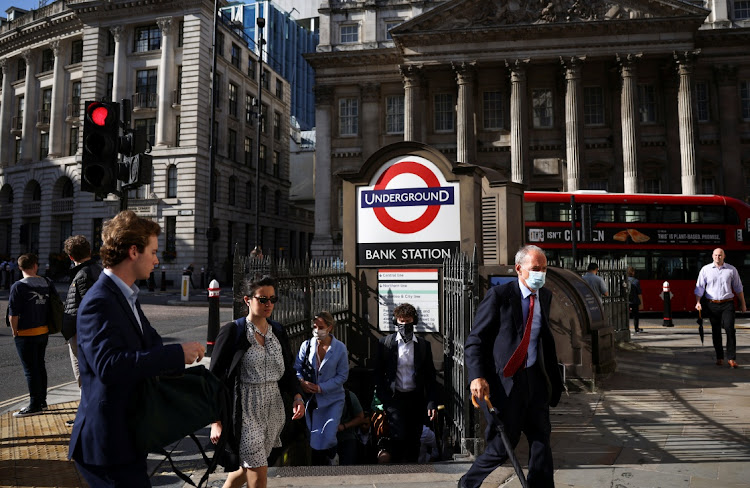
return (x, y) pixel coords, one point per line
(100, 114)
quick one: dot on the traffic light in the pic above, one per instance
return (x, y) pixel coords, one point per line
(136, 170)
(101, 141)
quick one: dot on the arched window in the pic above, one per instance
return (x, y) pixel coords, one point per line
(36, 192)
(172, 181)
(67, 189)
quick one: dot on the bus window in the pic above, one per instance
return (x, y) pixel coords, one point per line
(666, 214)
(530, 210)
(712, 215)
(555, 212)
(602, 213)
(633, 213)
(668, 266)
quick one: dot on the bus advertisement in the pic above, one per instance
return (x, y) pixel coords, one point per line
(664, 237)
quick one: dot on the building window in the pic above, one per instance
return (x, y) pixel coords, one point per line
(233, 100)
(170, 236)
(492, 105)
(109, 86)
(232, 190)
(76, 52)
(647, 103)
(177, 99)
(707, 186)
(220, 44)
(248, 151)
(390, 25)
(263, 196)
(275, 162)
(249, 109)
(277, 126)
(277, 202)
(147, 38)
(172, 181)
(21, 69)
(75, 99)
(235, 55)
(279, 89)
(20, 105)
(349, 33)
(232, 145)
(266, 81)
(73, 143)
(18, 150)
(542, 108)
(701, 98)
(348, 117)
(217, 90)
(741, 10)
(145, 88)
(652, 185)
(149, 125)
(444, 110)
(251, 67)
(263, 118)
(43, 145)
(48, 60)
(262, 158)
(214, 187)
(181, 33)
(745, 99)
(394, 114)
(110, 44)
(249, 194)
(600, 184)
(593, 105)
(44, 113)
(178, 130)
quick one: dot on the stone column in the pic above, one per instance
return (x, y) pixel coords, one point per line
(628, 102)
(687, 122)
(412, 75)
(465, 137)
(322, 243)
(573, 120)
(371, 125)
(29, 108)
(57, 115)
(166, 70)
(6, 116)
(729, 114)
(518, 117)
(119, 82)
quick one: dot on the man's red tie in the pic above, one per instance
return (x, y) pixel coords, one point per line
(519, 355)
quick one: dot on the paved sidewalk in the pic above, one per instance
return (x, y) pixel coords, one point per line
(667, 418)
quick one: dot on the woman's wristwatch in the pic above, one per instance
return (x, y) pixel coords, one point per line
(299, 399)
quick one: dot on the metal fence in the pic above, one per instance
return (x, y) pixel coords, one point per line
(460, 299)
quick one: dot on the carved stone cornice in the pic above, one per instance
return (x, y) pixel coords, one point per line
(323, 94)
(369, 57)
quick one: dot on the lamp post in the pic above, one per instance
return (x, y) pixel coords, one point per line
(212, 149)
(261, 23)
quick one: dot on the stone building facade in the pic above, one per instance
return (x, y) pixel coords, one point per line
(159, 55)
(633, 96)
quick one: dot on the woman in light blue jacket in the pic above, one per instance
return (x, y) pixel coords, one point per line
(322, 367)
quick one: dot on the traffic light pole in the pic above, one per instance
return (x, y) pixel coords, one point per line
(261, 23)
(212, 151)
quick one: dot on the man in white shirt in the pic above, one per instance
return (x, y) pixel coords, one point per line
(405, 384)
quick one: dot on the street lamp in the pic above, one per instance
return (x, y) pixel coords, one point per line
(261, 23)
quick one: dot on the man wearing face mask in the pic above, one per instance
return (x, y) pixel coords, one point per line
(326, 359)
(405, 384)
(510, 355)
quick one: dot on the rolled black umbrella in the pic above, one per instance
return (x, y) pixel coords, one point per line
(498, 424)
(700, 325)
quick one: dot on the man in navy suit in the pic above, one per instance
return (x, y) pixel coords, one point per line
(405, 384)
(118, 349)
(510, 356)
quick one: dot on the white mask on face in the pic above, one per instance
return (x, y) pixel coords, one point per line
(320, 334)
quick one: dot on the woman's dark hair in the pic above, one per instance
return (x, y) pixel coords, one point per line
(251, 284)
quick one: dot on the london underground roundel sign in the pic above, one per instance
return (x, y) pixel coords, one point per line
(409, 214)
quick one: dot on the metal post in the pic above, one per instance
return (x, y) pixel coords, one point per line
(163, 278)
(261, 23)
(203, 277)
(212, 148)
(213, 315)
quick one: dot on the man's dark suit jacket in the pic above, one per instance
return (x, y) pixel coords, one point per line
(113, 357)
(386, 366)
(498, 329)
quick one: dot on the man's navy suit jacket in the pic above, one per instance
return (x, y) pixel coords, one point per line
(497, 332)
(113, 358)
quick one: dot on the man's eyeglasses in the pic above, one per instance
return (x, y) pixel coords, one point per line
(264, 300)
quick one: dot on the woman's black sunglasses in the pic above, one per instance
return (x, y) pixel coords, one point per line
(264, 300)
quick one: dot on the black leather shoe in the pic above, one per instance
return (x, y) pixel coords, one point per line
(460, 483)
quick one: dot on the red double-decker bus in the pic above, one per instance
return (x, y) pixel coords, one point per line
(664, 237)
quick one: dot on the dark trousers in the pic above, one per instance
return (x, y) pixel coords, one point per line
(132, 475)
(527, 411)
(31, 350)
(634, 312)
(405, 413)
(722, 317)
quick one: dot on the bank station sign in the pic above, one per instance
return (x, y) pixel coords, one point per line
(409, 214)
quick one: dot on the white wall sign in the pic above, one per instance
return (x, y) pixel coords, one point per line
(418, 287)
(409, 214)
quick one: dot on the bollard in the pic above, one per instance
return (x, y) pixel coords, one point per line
(203, 277)
(185, 288)
(667, 296)
(213, 315)
(163, 279)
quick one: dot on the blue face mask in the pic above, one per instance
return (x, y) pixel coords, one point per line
(536, 279)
